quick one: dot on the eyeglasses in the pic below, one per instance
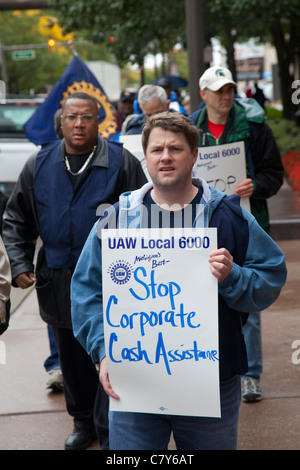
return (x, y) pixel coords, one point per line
(83, 117)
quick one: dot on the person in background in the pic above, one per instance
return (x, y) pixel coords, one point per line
(225, 119)
(152, 99)
(173, 95)
(186, 103)
(125, 107)
(248, 91)
(248, 279)
(52, 364)
(56, 198)
(259, 95)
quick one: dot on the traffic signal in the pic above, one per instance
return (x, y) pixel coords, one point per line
(51, 44)
(110, 39)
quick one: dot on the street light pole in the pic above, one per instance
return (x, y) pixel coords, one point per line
(195, 45)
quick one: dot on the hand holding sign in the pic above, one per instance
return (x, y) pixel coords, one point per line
(104, 379)
(245, 188)
(221, 263)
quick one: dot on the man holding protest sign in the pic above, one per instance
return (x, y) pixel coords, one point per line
(246, 279)
(224, 120)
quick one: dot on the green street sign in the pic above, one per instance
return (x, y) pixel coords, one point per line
(23, 55)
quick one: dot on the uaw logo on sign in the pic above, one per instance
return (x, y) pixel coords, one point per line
(108, 125)
(120, 272)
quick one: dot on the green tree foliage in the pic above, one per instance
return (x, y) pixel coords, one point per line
(143, 27)
(21, 28)
(137, 28)
(275, 21)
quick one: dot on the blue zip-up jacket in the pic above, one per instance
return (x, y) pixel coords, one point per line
(254, 283)
(136, 125)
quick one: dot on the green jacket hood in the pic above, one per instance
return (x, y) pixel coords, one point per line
(254, 112)
(243, 108)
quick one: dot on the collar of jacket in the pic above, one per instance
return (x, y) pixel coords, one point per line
(131, 205)
(101, 153)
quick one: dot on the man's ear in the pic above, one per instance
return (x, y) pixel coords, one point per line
(203, 94)
(195, 155)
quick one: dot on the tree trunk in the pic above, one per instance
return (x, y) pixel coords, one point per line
(284, 61)
(142, 75)
(230, 51)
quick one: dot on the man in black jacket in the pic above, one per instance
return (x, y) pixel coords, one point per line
(56, 197)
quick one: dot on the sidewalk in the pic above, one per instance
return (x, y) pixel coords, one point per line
(274, 423)
(32, 418)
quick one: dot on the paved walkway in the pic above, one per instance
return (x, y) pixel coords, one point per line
(33, 418)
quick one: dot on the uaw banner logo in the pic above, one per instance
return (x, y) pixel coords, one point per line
(108, 123)
(76, 78)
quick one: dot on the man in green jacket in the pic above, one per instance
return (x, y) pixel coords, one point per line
(224, 119)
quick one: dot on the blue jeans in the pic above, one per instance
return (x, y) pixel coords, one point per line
(143, 431)
(52, 361)
(252, 335)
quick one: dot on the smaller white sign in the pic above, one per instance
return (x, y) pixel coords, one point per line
(223, 167)
(133, 143)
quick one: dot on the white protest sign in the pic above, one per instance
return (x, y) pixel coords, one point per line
(133, 143)
(224, 167)
(160, 309)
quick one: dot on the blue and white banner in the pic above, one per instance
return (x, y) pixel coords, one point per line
(76, 78)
